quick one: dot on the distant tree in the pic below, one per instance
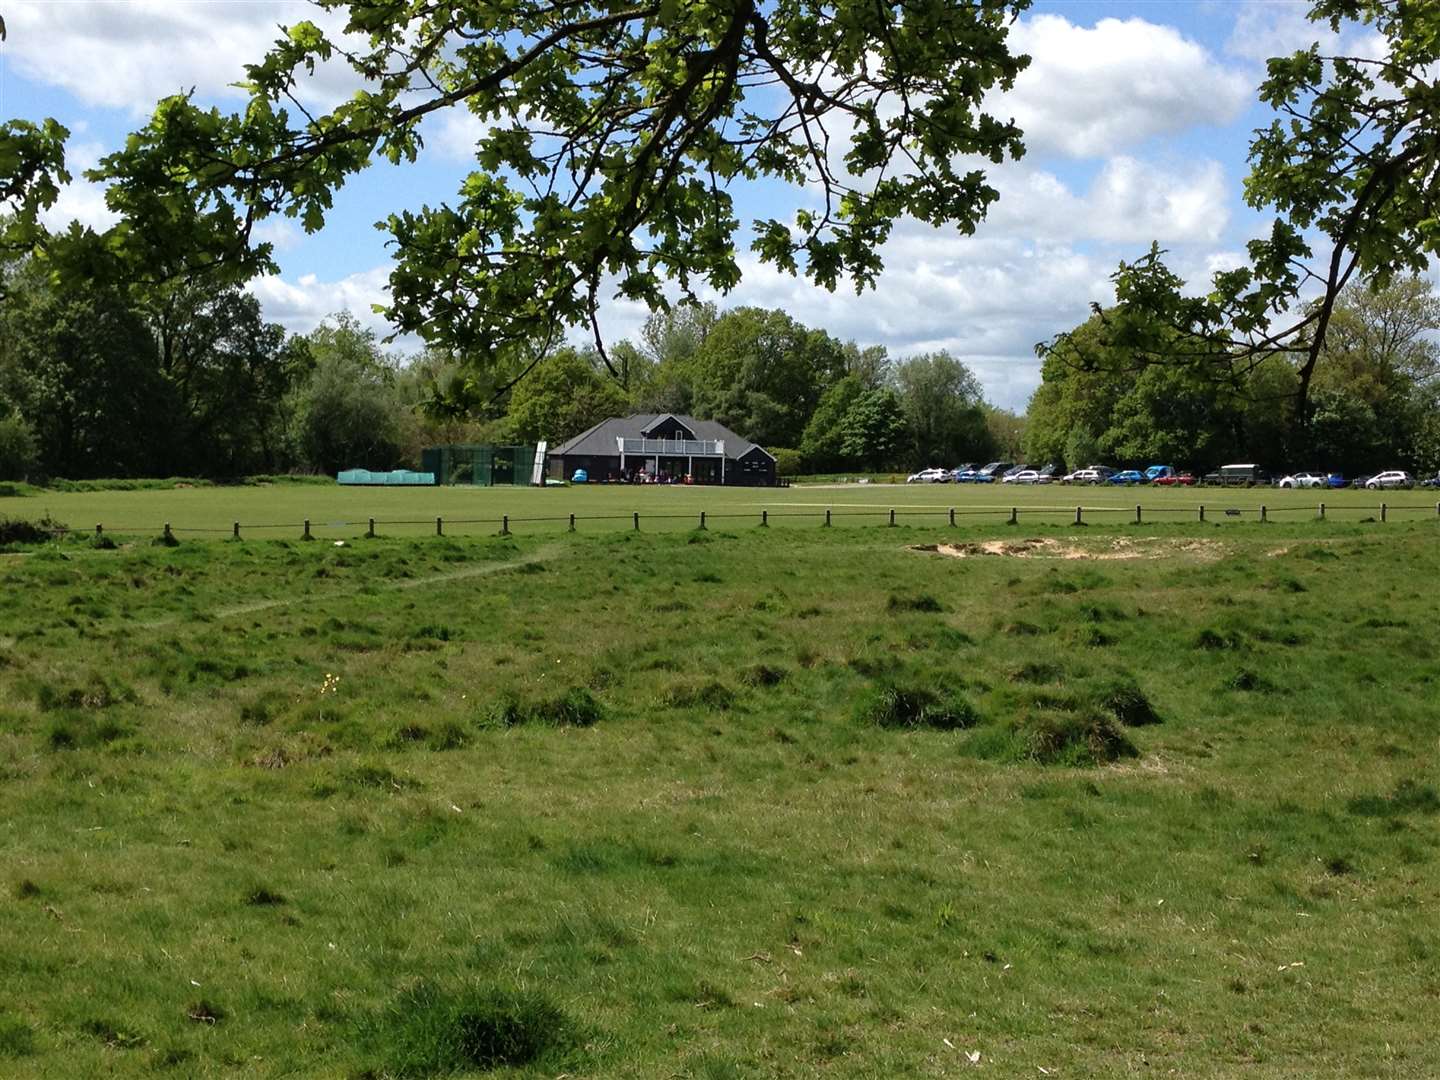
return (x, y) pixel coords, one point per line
(822, 445)
(563, 396)
(81, 363)
(346, 413)
(1082, 449)
(873, 431)
(761, 373)
(1004, 435)
(18, 450)
(944, 416)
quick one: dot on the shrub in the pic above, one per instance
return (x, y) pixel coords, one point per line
(892, 706)
(788, 461)
(21, 531)
(17, 448)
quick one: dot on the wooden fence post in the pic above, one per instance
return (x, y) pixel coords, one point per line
(99, 531)
(702, 519)
(827, 514)
(1263, 518)
(371, 533)
(504, 524)
(439, 527)
(1014, 515)
(572, 522)
(235, 530)
(305, 536)
(1202, 511)
(1322, 511)
(764, 518)
(637, 520)
(1137, 513)
(952, 517)
(892, 519)
(1384, 511)
(1079, 516)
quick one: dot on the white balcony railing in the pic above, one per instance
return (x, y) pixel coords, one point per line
(672, 447)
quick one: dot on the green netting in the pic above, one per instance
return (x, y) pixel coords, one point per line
(482, 466)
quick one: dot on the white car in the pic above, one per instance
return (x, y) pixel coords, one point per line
(1392, 479)
(1302, 480)
(928, 476)
(1026, 476)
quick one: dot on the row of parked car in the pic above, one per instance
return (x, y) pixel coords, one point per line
(1006, 472)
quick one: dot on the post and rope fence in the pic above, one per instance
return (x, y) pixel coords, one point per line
(1010, 515)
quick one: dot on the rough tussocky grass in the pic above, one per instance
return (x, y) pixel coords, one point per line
(615, 805)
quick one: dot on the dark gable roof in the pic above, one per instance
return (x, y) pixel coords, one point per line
(599, 441)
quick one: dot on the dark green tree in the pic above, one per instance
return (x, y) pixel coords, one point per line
(822, 445)
(944, 417)
(562, 397)
(761, 373)
(873, 432)
(346, 413)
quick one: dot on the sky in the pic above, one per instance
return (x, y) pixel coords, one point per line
(1137, 119)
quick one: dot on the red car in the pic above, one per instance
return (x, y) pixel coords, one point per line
(1175, 479)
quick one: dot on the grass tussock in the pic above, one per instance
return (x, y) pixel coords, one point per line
(917, 602)
(1408, 797)
(1126, 702)
(430, 1031)
(892, 706)
(575, 707)
(708, 694)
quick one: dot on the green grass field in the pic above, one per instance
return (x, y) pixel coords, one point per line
(749, 802)
(279, 510)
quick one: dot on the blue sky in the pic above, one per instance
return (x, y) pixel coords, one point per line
(1137, 117)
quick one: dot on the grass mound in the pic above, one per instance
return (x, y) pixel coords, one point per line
(428, 1031)
(921, 602)
(1125, 701)
(892, 706)
(711, 694)
(1407, 798)
(576, 707)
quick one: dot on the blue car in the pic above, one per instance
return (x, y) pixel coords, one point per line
(965, 476)
(1129, 476)
(1334, 480)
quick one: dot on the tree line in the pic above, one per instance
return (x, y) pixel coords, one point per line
(103, 380)
(1372, 400)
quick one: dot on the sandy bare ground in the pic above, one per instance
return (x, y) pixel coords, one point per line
(1118, 548)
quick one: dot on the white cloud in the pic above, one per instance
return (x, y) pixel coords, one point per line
(128, 55)
(301, 304)
(1092, 91)
(1129, 202)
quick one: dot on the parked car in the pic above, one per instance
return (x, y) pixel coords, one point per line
(992, 472)
(1014, 470)
(1094, 474)
(1050, 472)
(1027, 476)
(1155, 472)
(1431, 481)
(957, 474)
(1334, 480)
(1175, 479)
(966, 476)
(1127, 477)
(1394, 478)
(928, 476)
(1236, 476)
(1302, 480)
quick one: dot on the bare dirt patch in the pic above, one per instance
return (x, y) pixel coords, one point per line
(1116, 548)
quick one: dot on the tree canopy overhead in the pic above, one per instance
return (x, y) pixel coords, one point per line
(610, 136)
